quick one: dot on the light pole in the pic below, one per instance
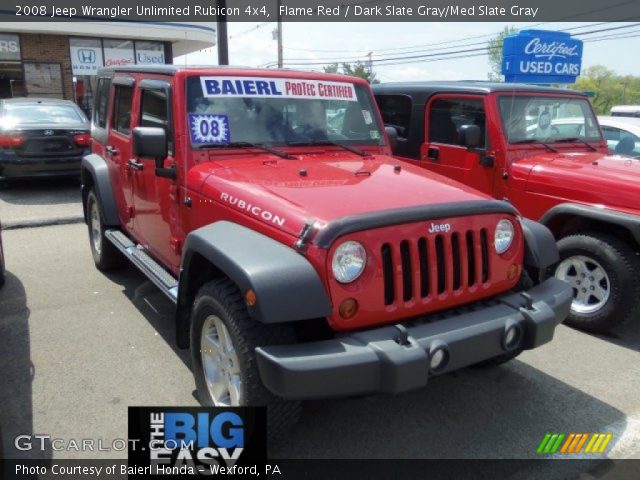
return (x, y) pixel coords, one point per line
(221, 31)
(280, 61)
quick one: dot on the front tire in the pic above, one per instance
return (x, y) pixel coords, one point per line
(105, 255)
(602, 270)
(223, 342)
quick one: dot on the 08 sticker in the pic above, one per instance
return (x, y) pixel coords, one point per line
(209, 128)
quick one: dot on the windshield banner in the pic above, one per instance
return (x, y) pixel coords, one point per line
(257, 87)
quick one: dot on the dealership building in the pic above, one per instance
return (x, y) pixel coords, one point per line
(60, 59)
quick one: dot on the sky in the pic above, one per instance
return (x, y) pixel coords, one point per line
(252, 44)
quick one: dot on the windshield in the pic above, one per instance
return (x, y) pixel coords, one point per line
(279, 111)
(39, 113)
(528, 118)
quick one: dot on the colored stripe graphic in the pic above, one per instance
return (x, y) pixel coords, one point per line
(573, 443)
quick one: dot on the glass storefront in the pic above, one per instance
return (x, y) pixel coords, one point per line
(89, 54)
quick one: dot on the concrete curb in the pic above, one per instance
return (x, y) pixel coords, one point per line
(45, 222)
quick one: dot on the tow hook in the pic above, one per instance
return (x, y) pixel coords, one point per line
(528, 300)
(403, 338)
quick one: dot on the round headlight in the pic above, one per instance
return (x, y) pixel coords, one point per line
(503, 236)
(348, 261)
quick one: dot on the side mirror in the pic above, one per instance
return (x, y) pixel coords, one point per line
(152, 142)
(392, 133)
(470, 135)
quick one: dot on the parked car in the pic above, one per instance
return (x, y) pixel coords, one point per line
(622, 134)
(41, 137)
(2, 264)
(541, 149)
(625, 111)
(304, 261)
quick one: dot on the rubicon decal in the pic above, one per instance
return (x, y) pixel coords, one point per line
(276, 87)
(252, 209)
(593, 443)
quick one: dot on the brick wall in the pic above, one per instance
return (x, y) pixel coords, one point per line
(44, 48)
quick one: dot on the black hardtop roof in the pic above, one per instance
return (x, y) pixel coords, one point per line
(426, 89)
(172, 69)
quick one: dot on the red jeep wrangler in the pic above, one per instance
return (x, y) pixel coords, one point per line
(540, 149)
(303, 260)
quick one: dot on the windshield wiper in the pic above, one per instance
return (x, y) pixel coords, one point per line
(314, 143)
(273, 151)
(579, 140)
(533, 140)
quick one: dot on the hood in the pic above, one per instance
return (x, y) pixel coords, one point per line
(610, 180)
(324, 187)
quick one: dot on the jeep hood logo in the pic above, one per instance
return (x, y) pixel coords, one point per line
(441, 227)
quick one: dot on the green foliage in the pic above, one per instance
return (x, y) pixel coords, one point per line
(495, 53)
(357, 69)
(609, 88)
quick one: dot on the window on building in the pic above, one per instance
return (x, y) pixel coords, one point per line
(121, 121)
(396, 112)
(448, 115)
(43, 80)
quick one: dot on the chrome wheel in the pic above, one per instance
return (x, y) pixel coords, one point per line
(590, 282)
(96, 228)
(220, 363)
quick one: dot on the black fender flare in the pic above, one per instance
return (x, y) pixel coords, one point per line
(625, 220)
(541, 250)
(94, 169)
(286, 285)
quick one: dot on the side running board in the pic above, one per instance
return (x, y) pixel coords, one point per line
(147, 265)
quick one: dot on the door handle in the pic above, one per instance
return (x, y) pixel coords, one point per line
(111, 150)
(433, 153)
(135, 165)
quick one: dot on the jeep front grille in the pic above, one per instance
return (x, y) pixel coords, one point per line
(434, 266)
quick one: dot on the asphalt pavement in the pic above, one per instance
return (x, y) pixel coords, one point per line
(44, 201)
(77, 347)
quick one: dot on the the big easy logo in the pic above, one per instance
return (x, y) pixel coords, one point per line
(266, 87)
(196, 440)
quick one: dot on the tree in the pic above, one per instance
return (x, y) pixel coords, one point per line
(608, 88)
(495, 53)
(357, 69)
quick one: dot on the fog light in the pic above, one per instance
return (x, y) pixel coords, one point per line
(348, 308)
(512, 337)
(438, 360)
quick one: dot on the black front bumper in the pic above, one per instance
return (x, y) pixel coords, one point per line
(397, 358)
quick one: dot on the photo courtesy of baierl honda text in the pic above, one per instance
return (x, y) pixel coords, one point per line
(338, 239)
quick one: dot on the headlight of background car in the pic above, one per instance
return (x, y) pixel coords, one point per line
(503, 236)
(348, 261)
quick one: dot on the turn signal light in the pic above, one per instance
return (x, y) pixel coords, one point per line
(11, 141)
(348, 308)
(83, 140)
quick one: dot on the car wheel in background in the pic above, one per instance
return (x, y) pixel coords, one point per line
(603, 272)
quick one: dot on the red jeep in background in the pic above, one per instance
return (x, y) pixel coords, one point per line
(541, 149)
(303, 260)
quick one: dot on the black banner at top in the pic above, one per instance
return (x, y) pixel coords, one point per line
(321, 10)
